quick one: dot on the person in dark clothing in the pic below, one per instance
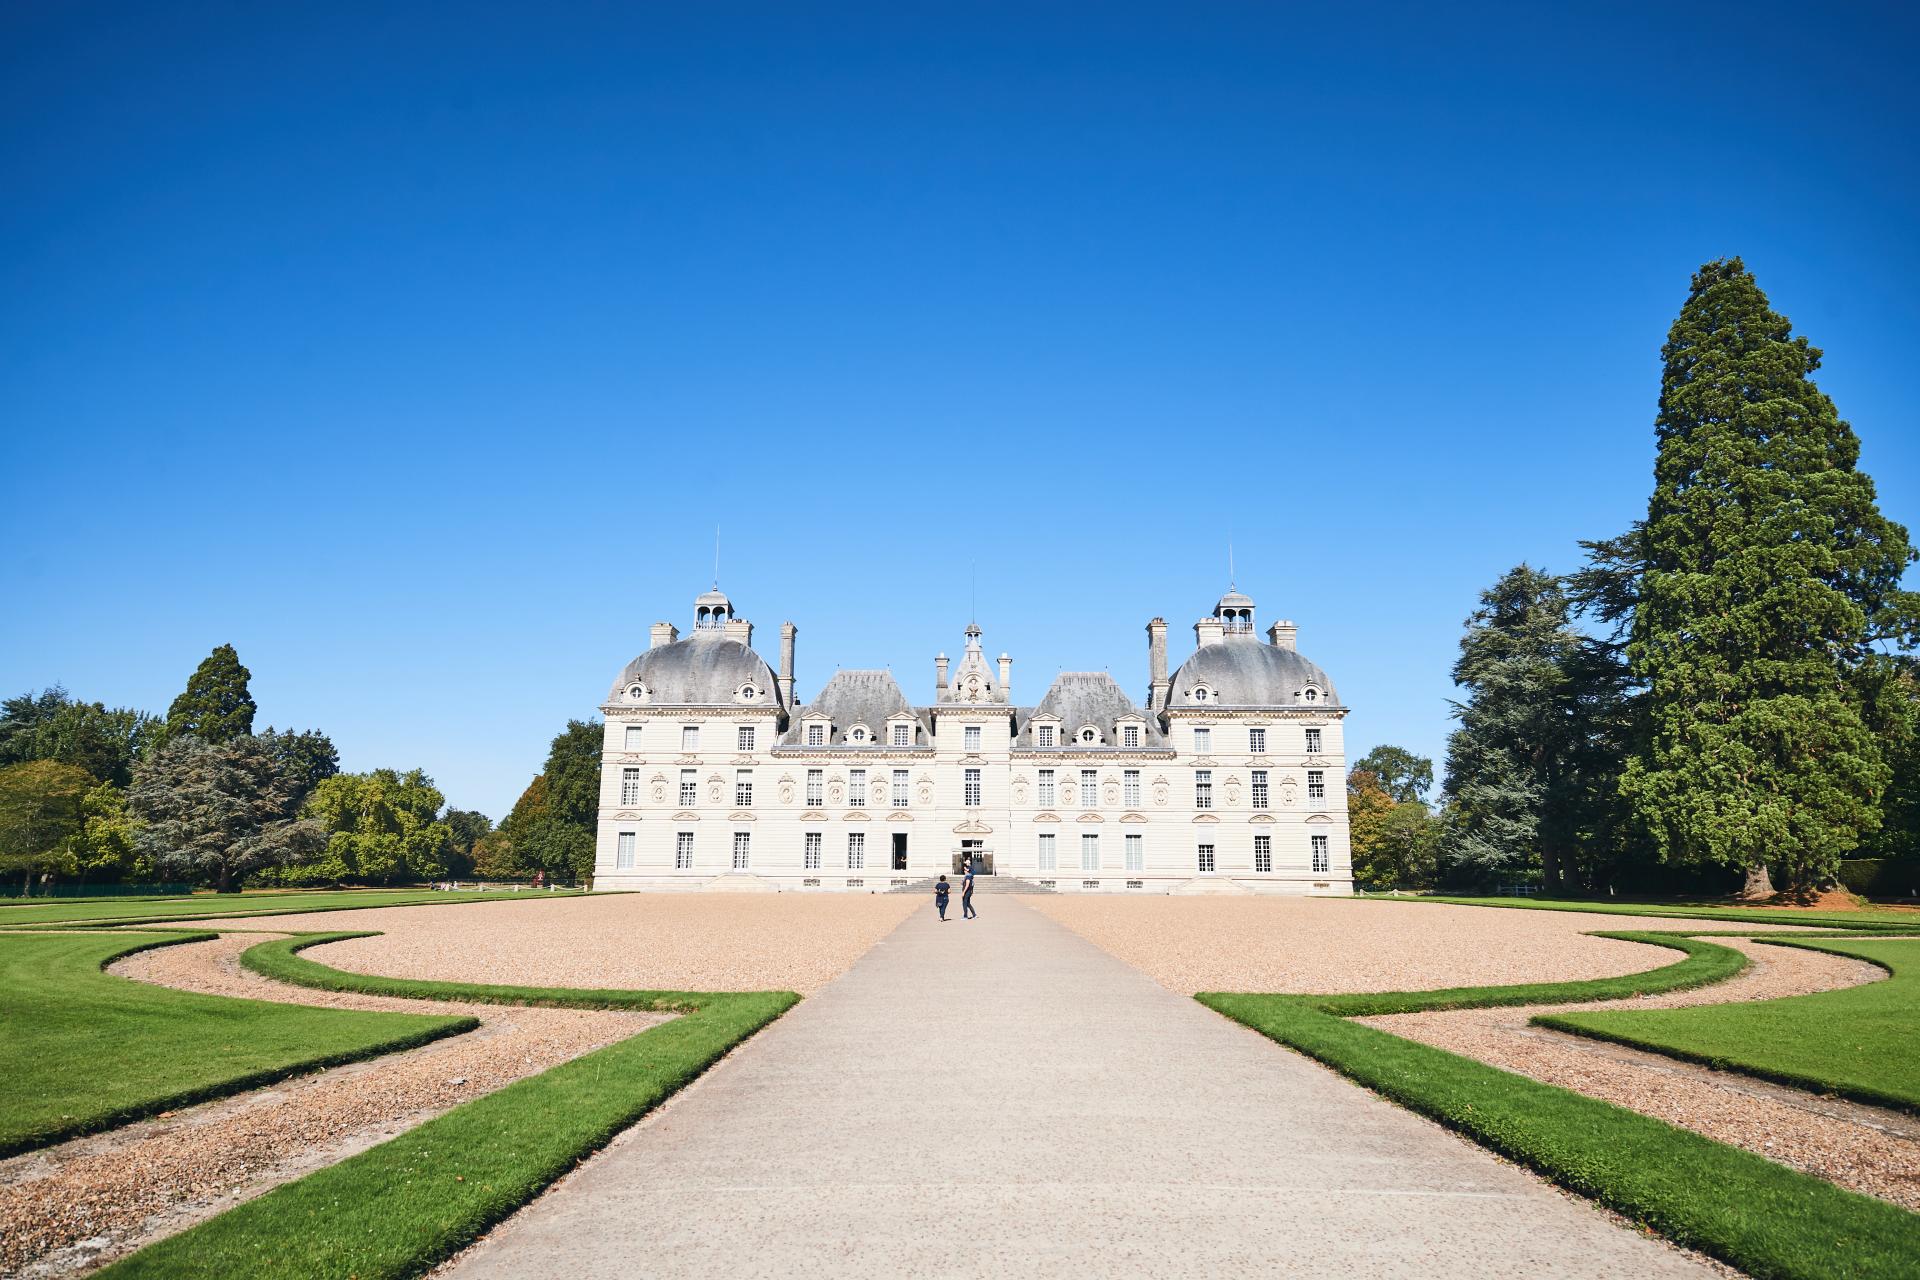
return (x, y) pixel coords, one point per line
(940, 891)
(966, 896)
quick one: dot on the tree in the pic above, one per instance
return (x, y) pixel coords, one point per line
(106, 845)
(572, 773)
(1405, 775)
(493, 858)
(1767, 578)
(1368, 803)
(215, 811)
(1402, 852)
(381, 827)
(468, 828)
(551, 845)
(53, 726)
(42, 807)
(216, 705)
(304, 759)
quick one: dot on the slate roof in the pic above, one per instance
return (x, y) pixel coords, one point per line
(1082, 698)
(705, 669)
(1247, 673)
(858, 697)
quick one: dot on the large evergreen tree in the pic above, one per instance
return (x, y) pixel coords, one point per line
(214, 811)
(216, 704)
(51, 725)
(1767, 575)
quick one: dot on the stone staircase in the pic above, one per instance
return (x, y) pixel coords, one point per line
(981, 885)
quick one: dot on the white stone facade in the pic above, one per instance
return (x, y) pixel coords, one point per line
(1231, 779)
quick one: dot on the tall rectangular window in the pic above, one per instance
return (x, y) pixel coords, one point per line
(903, 735)
(743, 740)
(1089, 789)
(623, 851)
(970, 737)
(1313, 742)
(1259, 788)
(816, 735)
(1089, 852)
(1136, 855)
(1320, 862)
(1130, 735)
(970, 795)
(816, 787)
(1043, 736)
(1046, 800)
(1130, 788)
(1203, 788)
(856, 788)
(629, 786)
(689, 737)
(633, 739)
(743, 788)
(682, 850)
(1257, 741)
(689, 787)
(1263, 854)
(1206, 857)
(856, 850)
(742, 850)
(1202, 739)
(810, 845)
(899, 788)
(1316, 784)
(1047, 853)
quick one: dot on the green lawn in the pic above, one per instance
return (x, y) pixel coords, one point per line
(83, 1050)
(1860, 1042)
(1869, 920)
(208, 906)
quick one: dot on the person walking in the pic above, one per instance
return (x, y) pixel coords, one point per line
(940, 891)
(966, 895)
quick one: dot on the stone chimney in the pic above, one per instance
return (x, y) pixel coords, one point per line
(1006, 678)
(940, 673)
(787, 632)
(664, 633)
(740, 629)
(1209, 631)
(1157, 687)
(1280, 634)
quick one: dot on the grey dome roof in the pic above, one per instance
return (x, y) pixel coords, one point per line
(1080, 699)
(1246, 673)
(705, 669)
(849, 698)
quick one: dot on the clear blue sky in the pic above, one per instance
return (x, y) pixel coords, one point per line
(418, 355)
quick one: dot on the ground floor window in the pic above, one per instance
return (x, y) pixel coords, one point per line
(1263, 854)
(1136, 857)
(811, 857)
(1206, 857)
(623, 851)
(856, 850)
(1089, 853)
(1046, 853)
(683, 850)
(742, 850)
(1320, 862)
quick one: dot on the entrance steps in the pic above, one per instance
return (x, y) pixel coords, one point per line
(981, 884)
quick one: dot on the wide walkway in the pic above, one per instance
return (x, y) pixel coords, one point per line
(1001, 1097)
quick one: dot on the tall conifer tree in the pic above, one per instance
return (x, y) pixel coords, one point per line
(217, 704)
(1767, 576)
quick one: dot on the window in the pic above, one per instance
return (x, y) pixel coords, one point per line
(629, 786)
(1043, 736)
(1313, 695)
(744, 739)
(810, 858)
(970, 737)
(1089, 735)
(1130, 788)
(1202, 739)
(1320, 863)
(689, 737)
(1046, 789)
(1089, 853)
(1257, 741)
(1136, 857)
(633, 737)
(1263, 854)
(1129, 735)
(742, 849)
(1089, 789)
(1046, 853)
(856, 788)
(899, 788)
(1313, 742)
(856, 851)
(682, 850)
(971, 789)
(689, 788)
(857, 735)
(1203, 788)
(1259, 788)
(743, 788)
(1206, 858)
(903, 735)
(1202, 694)
(1316, 784)
(816, 735)
(623, 852)
(816, 787)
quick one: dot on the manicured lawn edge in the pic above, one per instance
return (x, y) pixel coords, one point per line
(280, 960)
(225, 1088)
(437, 900)
(1883, 923)
(1766, 1219)
(404, 1206)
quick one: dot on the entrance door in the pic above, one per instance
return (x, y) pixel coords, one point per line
(899, 851)
(973, 855)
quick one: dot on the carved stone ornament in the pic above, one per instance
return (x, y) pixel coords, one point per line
(836, 791)
(715, 785)
(1020, 791)
(659, 789)
(1112, 791)
(1160, 792)
(1233, 791)
(786, 791)
(1287, 796)
(879, 794)
(926, 789)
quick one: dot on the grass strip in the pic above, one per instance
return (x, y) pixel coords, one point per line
(1869, 921)
(84, 1050)
(1856, 1042)
(280, 960)
(101, 912)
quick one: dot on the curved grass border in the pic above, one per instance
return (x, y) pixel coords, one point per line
(1770, 1221)
(441, 900)
(148, 1108)
(281, 961)
(401, 1208)
(1774, 918)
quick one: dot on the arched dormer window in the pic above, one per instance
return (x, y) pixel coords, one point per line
(1089, 735)
(1313, 694)
(857, 734)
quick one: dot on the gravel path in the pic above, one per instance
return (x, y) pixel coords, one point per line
(1861, 1148)
(80, 1204)
(683, 941)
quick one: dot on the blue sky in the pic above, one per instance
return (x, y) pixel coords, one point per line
(419, 357)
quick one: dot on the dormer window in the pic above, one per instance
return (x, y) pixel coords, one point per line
(1202, 694)
(1130, 735)
(1043, 735)
(816, 734)
(857, 734)
(748, 693)
(636, 692)
(1089, 735)
(902, 735)
(1313, 694)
